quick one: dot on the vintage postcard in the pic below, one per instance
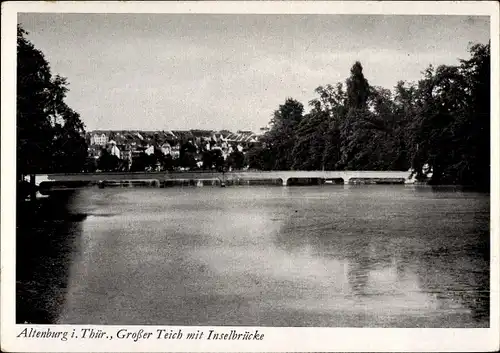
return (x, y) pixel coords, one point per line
(250, 176)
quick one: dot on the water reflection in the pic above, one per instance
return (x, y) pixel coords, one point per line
(438, 267)
(260, 256)
(358, 271)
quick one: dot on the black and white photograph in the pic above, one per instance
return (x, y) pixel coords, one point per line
(245, 171)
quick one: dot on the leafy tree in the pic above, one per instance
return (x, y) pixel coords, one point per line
(157, 159)
(281, 137)
(35, 90)
(310, 141)
(139, 162)
(69, 145)
(187, 158)
(207, 159)
(442, 122)
(259, 157)
(331, 101)
(152, 161)
(473, 127)
(358, 89)
(451, 126)
(404, 112)
(51, 136)
(236, 160)
(432, 136)
(168, 162)
(217, 159)
(144, 161)
(382, 145)
(108, 162)
(353, 134)
(213, 159)
(90, 165)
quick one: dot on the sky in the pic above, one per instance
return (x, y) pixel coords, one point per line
(199, 71)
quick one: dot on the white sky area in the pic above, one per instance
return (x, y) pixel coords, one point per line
(198, 71)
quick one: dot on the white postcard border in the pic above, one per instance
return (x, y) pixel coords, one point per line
(275, 339)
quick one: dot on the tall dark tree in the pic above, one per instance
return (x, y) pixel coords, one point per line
(144, 161)
(353, 133)
(431, 133)
(50, 135)
(439, 125)
(474, 128)
(259, 157)
(450, 132)
(331, 101)
(404, 101)
(90, 165)
(206, 159)
(69, 145)
(212, 159)
(108, 162)
(187, 157)
(168, 162)
(309, 144)
(236, 160)
(358, 89)
(218, 159)
(281, 137)
(382, 147)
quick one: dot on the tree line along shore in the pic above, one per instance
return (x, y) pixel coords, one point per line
(437, 127)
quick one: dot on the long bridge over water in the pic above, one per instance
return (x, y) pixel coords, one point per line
(345, 177)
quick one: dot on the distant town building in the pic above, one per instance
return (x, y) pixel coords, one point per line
(175, 152)
(98, 138)
(126, 155)
(166, 148)
(113, 149)
(94, 151)
(129, 144)
(150, 150)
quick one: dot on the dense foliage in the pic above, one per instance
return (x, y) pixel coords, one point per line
(50, 135)
(438, 126)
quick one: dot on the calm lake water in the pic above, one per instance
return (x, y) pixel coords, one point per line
(338, 256)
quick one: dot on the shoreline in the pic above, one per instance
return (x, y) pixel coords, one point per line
(43, 246)
(48, 187)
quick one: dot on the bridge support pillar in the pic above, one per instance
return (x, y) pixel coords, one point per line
(346, 181)
(285, 181)
(33, 187)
